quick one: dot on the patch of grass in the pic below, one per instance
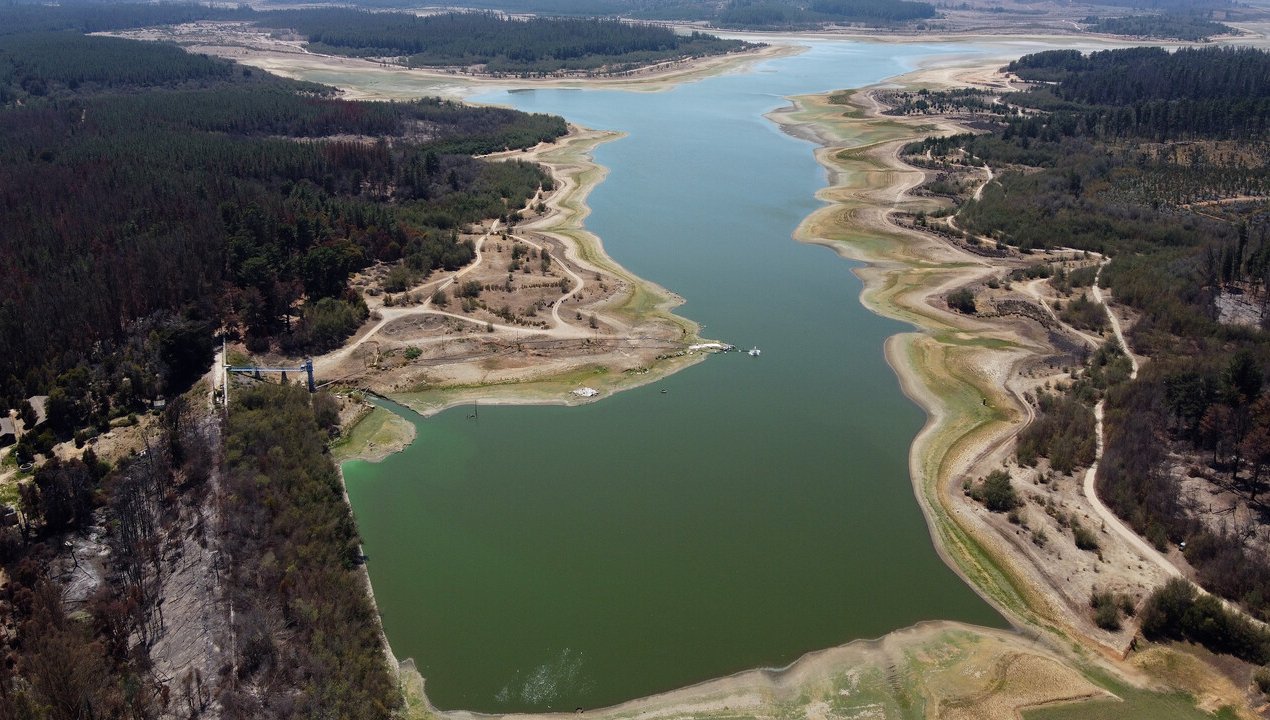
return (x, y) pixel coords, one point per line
(957, 338)
(9, 494)
(1137, 705)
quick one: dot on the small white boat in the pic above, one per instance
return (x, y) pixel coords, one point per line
(755, 352)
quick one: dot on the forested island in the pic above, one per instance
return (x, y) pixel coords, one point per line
(496, 44)
(1165, 176)
(150, 200)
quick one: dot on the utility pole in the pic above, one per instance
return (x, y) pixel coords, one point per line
(224, 372)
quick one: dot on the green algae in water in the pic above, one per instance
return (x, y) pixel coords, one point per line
(549, 558)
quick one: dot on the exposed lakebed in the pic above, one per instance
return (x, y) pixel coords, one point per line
(541, 558)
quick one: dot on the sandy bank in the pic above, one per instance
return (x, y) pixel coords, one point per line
(953, 671)
(939, 669)
(959, 369)
(969, 374)
(372, 436)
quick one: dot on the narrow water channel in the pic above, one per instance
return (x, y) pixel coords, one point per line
(549, 558)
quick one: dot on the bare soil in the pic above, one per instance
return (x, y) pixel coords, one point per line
(973, 375)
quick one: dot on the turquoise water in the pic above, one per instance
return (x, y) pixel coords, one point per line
(552, 558)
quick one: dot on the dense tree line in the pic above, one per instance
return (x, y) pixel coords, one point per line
(140, 212)
(37, 64)
(559, 8)
(308, 639)
(1110, 154)
(1177, 611)
(751, 14)
(501, 44)
(1174, 6)
(1212, 92)
(786, 14)
(1171, 27)
(81, 16)
(876, 10)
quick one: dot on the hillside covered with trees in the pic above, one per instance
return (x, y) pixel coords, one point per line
(1160, 161)
(89, 17)
(150, 199)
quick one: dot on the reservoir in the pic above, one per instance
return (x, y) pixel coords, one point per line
(550, 558)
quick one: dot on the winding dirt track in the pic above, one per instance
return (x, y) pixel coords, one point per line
(560, 329)
(979, 190)
(1109, 518)
(577, 280)
(1113, 523)
(324, 363)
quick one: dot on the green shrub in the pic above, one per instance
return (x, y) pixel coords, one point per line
(997, 493)
(962, 300)
(1261, 678)
(1107, 617)
(1085, 538)
(325, 324)
(1084, 314)
(1063, 431)
(399, 278)
(1106, 608)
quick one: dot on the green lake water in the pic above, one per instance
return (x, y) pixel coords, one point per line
(552, 558)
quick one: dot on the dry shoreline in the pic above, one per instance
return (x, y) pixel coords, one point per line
(903, 272)
(641, 313)
(987, 673)
(964, 372)
(241, 42)
(570, 162)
